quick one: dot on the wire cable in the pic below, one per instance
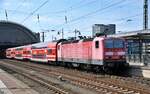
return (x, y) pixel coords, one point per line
(14, 11)
(91, 13)
(35, 11)
(98, 10)
(73, 7)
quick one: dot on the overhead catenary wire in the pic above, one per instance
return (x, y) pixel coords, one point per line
(77, 7)
(73, 7)
(121, 19)
(98, 10)
(18, 11)
(93, 12)
(14, 11)
(83, 5)
(64, 10)
(35, 11)
(79, 19)
(111, 5)
(88, 3)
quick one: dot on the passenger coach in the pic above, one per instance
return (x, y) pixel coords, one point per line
(10, 53)
(44, 52)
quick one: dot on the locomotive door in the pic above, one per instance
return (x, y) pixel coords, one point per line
(97, 52)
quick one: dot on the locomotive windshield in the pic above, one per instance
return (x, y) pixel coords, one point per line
(108, 43)
(114, 43)
(118, 43)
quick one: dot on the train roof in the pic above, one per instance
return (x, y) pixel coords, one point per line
(40, 45)
(46, 44)
(21, 47)
(76, 41)
(70, 41)
(88, 39)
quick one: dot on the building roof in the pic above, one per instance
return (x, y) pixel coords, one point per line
(14, 34)
(133, 34)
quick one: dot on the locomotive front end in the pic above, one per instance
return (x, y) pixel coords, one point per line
(115, 53)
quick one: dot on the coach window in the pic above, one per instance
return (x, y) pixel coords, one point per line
(96, 44)
(49, 51)
(28, 52)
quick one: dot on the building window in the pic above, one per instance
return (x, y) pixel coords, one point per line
(96, 44)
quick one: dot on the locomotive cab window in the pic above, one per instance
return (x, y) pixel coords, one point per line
(96, 44)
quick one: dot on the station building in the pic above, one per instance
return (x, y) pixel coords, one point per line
(13, 34)
(103, 29)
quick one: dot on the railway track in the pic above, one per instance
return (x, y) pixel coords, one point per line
(109, 86)
(45, 83)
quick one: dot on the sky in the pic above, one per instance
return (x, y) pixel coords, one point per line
(73, 14)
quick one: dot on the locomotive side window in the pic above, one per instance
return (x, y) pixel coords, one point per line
(96, 44)
(28, 52)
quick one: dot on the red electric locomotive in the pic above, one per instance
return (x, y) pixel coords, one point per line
(93, 53)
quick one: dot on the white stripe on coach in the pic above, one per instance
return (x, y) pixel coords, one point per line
(108, 53)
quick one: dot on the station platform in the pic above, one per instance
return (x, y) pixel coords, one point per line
(11, 85)
(139, 69)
